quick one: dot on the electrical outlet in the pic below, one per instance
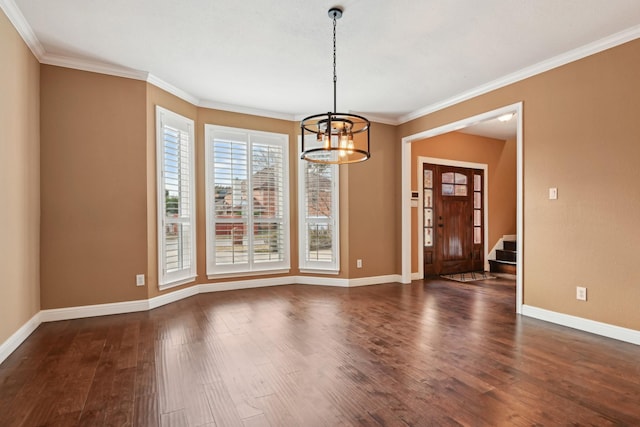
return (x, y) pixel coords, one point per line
(139, 279)
(359, 263)
(581, 293)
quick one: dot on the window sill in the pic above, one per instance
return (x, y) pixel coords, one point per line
(247, 274)
(318, 271)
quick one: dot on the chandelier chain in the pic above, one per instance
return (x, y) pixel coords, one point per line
(335, 78)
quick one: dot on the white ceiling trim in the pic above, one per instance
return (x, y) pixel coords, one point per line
(246, 110)
(22, 26)
(549, 64)
(26, 32)
(92, 66)
(186, 96)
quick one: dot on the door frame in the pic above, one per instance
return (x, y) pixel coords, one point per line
(485, 195)
(406, 188)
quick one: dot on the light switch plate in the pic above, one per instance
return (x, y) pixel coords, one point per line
(553, 193)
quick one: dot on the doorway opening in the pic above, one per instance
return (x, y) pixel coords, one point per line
(408, 252)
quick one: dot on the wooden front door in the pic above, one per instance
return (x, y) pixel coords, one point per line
(453, 219)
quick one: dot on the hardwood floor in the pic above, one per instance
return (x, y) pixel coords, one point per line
(430, 353)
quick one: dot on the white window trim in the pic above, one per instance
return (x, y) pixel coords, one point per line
(317, 267)
(188, 275)
(250, 269)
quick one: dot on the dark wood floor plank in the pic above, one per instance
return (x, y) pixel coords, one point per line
(430, 353)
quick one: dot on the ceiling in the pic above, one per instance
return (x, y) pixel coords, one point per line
(396, 59)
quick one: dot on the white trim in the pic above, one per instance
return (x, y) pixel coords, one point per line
(557, 61)
(23, 27)
(246, 110)
(185, 96)
(417, 276)
(79, 312)
(374, 280)
(248, 273)
(318, 271)
(174, 296)
(604, 329)
(485, 201)
(92, 66)
(406, 187)
(323, 281)
(19, 336)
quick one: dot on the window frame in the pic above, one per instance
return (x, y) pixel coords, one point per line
(183, 124)
(250, 267)
(304, 263)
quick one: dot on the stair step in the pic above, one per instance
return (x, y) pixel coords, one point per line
(509, 245)
(502, 266)
(505, 255)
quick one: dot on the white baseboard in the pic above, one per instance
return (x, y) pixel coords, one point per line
(607, 330)
(18, 337)
(56, 314)
(416, 276)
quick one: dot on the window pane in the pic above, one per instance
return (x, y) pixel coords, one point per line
(477, 217)
(268, 242)
(428, 198)
(477, 200)
(320, 242)
(428, 218)
(447, 190)
(447, 178)
(428, 178)
(477, 235)
(230, 178)
(477, 183)
(428, 237)
(231, 243)
(460, 190)
(460, 178)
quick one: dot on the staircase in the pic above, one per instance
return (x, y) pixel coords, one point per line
(505, 261)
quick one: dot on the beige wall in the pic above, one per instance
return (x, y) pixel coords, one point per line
(499, 155)
(93, 228)
(370, 208)
(581, 132)
(20, 178)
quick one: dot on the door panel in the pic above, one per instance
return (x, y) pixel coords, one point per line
(453, 240)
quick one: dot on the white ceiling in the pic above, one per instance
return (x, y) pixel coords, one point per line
(396, 59)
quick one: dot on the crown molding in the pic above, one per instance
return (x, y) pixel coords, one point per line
(22, 27)
(92, 66)
(246, 110)
(186, 96)
(546, 65)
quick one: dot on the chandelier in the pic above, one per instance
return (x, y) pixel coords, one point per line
(335, 138)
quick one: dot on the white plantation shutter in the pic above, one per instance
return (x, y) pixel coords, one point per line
(176, 199)
(247, 203)
(318, 208)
